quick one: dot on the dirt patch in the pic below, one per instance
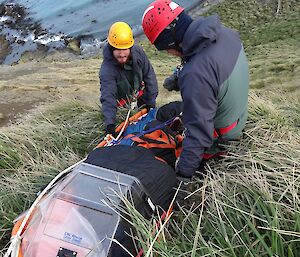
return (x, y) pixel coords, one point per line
(45, 80)
(19, 100)
(11, 112)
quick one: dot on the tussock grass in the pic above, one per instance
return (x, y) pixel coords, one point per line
(38, 148)
(271, 39)
(248, 204)
(260, 21)
(33, 152)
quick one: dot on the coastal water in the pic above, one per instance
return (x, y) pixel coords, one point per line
(50, 22)
(85, 17)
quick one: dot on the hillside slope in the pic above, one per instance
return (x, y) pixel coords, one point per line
(249, 203)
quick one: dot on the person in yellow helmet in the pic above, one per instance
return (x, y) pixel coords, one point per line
(126, 75)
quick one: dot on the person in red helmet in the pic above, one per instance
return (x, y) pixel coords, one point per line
(213, 82)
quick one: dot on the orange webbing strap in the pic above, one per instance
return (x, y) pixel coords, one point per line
(159, 135)
(163, 141)
(218, 133)
(153, 145)
(208, 156)
(16, 229)
(160, 138)
(160, 159)
(102, 143)
(14, 232)
(133, 118)
(179, 140)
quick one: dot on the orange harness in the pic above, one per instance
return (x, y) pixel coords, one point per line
(159, 139)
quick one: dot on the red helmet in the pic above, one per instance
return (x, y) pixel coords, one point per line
(158, 16)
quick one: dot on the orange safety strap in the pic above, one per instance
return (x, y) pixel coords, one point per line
(173, 143)
(160, 144)
(133, 118)
(179, 140)
(16, 227)
(160, 159)
(159, 135)
(218, 133)
(208, 156)
(160, 138)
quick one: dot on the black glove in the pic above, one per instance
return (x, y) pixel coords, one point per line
(185, 188)
(184, 180)
(171, 83)
(148, 107)
(182, 177)
(110, 129)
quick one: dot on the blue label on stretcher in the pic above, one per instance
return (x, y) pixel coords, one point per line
(72, 238)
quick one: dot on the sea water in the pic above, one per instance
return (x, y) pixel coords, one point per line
(58, 19)
(84, 17)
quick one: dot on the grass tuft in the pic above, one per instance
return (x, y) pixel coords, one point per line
(248, 204)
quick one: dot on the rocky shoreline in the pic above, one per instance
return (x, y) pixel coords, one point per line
(20, 34)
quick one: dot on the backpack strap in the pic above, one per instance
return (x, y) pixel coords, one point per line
(155, 139)
(149, 142)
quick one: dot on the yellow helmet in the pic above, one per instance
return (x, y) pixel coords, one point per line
(120, 35)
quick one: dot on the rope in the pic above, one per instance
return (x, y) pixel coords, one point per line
(160, 126)
(14, 247)
(112, 139)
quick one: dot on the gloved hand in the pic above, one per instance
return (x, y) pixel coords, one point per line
(185, 188)
(110, 130)
(181, 176)
(148, 107)
(170, 83)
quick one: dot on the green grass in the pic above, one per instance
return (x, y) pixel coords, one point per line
(258, 21)
(36, 150)
(248, 205)
(271, 39)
